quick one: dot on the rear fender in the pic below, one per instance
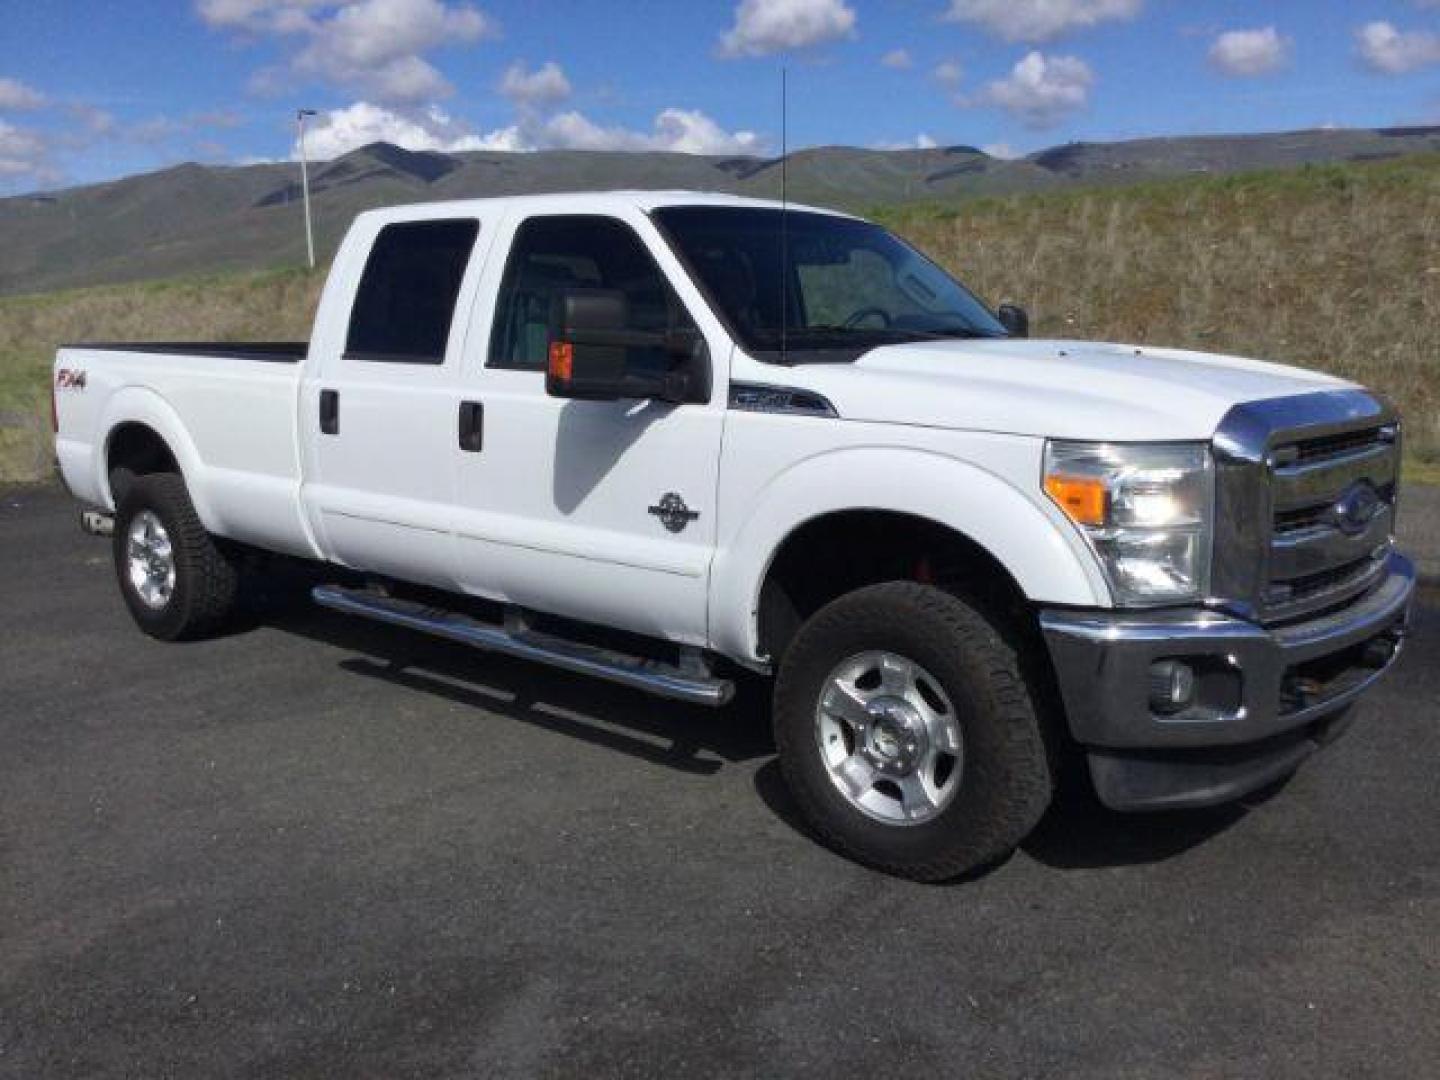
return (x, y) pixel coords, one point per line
(138, 405)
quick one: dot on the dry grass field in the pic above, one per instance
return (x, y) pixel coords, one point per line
(1335, 267)
(274, 306)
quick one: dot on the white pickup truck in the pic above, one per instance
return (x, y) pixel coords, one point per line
(662, 437)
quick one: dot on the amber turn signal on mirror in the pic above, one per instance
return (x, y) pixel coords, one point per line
(562, 361)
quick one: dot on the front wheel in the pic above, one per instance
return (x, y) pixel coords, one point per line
(907, 733)
(177, 581)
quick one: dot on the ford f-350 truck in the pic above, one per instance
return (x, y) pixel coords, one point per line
(663, 438)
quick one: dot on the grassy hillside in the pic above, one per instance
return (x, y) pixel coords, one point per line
(274, 306)
(206, 219)
(1333, 267)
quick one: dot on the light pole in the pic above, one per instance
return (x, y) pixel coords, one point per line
(300, 115)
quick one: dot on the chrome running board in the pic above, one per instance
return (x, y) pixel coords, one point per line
(696, 686)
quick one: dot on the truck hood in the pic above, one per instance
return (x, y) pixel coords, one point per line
(1059, 389)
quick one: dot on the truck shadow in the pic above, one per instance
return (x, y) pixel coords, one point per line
(1076, 833)
(683, 737)
(1079, 833)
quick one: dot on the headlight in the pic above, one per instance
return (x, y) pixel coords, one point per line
(1145, 510)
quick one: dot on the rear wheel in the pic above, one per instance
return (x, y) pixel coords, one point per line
(907, 733)
(176, 580)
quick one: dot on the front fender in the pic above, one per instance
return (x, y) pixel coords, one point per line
(1032, 541)
(140, 405)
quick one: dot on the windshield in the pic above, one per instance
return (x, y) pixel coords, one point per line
(846, 286)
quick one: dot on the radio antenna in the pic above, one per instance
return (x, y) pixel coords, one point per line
(784, 218)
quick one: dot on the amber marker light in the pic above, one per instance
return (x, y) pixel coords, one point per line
(562, 360)
(1081, 497)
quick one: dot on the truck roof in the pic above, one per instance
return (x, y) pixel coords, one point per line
(589, 202)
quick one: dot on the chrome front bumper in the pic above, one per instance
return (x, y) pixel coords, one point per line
(1266, 697)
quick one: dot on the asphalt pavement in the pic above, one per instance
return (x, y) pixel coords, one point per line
(324, 848)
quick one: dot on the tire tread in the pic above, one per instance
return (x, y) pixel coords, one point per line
(1019, 797)
(207, 580)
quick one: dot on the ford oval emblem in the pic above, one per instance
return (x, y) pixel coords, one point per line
(1357, 507)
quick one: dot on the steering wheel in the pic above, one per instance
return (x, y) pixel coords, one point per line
(857, 317)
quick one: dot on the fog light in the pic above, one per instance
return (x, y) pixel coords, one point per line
(1172, 686)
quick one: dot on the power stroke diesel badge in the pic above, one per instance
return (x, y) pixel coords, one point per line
(673, 513)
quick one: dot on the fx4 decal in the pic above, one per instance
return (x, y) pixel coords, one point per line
(66, 379)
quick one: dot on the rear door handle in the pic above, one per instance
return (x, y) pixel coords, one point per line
(472, 426)
(329, 412)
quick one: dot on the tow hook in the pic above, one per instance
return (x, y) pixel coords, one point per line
(97, 522)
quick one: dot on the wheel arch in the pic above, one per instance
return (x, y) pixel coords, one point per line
(945, 500)
(140, 426)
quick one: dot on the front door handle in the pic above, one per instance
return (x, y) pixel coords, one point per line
(329, 412)
(472, 426)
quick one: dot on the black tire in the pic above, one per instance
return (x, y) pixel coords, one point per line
(1006, 782)
(206, 589)
(120, 480)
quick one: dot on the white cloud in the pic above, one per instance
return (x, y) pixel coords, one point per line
(763, 27)
(1389, 51)
(1001, 150)
(1041, 90)
(339, 131)
(1039, 20)
(922, 141)
(949, 72)
(899, 59)
(374, 46)
(260, 16)
(96, 121)
(14, 94)
(20, 150)
(24, 159)
(1246, 53)
(682, 131)
(268, 82)
(545, 85)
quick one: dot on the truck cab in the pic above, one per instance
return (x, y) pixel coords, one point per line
(665, 438)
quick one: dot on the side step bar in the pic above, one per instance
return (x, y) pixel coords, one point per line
(696, 686)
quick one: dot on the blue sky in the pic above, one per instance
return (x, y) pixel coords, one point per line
(91, 91)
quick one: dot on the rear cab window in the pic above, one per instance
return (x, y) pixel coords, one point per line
(405, 303)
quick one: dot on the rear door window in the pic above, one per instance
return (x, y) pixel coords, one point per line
(406, 299)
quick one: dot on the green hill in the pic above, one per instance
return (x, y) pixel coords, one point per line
(195, 219)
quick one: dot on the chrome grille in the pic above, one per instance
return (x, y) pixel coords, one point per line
(1329, 447)
(1333, 499)
(1305, 502)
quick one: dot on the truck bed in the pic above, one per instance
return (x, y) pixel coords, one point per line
(227, 411)
(270, 352)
